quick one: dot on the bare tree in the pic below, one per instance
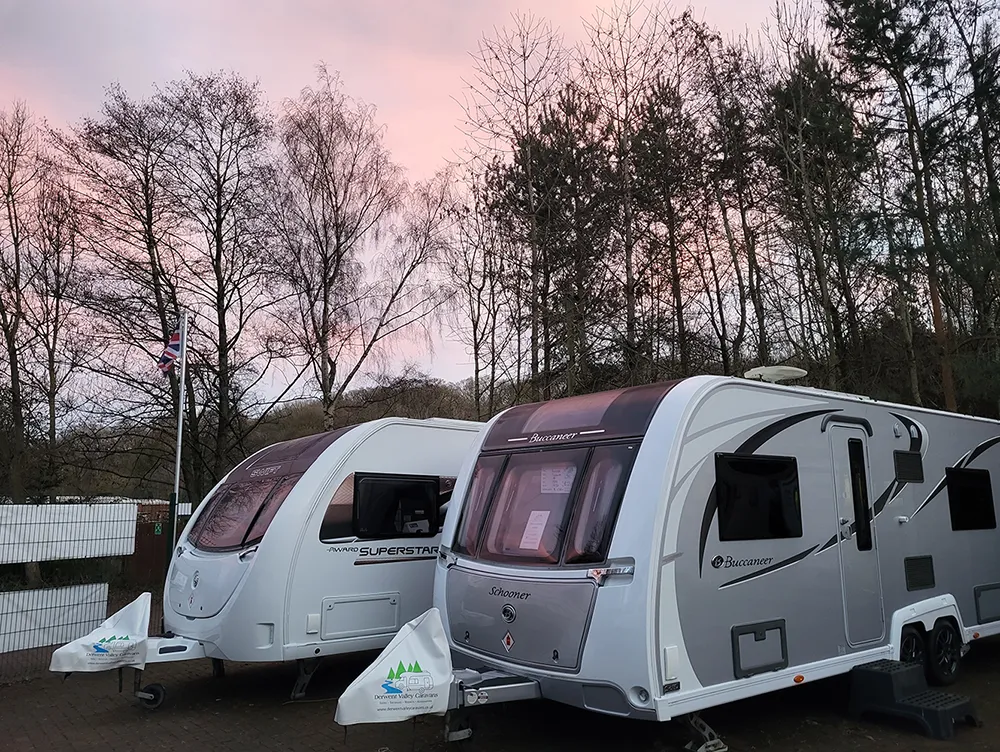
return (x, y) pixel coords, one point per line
(477, 266)
(218, 174)
(119, 163)
(57, 274)
(516, 74)
(621, 63)
(398, 296)
(19, 175)
(338, 188)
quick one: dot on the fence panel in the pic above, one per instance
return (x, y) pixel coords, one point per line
(67, 566)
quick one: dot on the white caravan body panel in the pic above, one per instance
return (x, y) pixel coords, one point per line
(312, 582)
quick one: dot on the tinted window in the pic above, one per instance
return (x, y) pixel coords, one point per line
(597, 508)
(241, 509)
(529, 515)
(758, 497)
(393, 507)
(970, 499)
(238, 514)
(859, 493)
(338, 521)
(478, 495)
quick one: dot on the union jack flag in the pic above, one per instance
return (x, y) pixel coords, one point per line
(171, 352)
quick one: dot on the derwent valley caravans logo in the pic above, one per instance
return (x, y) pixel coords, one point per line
(728, 562)
(116, 649)
(107, 644)
(407, 680)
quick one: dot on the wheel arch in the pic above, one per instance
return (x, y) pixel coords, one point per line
(925, 614)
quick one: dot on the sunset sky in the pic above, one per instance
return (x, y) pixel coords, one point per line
(407, 58)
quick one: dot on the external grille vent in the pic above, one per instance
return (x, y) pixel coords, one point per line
(909, 466)
(919, 572)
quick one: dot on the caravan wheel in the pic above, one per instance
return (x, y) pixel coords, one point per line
(912, 648)
(944, 653)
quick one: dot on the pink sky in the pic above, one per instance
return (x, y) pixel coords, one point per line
(407, 58)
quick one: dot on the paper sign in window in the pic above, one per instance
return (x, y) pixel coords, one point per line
(558, 480)
(534, 530)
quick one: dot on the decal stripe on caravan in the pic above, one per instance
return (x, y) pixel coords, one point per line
(749, 446)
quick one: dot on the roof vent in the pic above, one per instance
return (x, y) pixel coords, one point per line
(774, 374)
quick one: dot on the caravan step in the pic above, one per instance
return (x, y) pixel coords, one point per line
(900, 689)
(895, 678)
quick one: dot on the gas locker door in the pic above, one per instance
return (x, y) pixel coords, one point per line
(858, 546)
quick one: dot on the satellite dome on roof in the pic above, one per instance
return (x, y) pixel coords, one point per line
(774, 374)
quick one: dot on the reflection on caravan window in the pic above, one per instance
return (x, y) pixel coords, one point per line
(529, 514)
(475, 507)
(267, 511)
(598, 504)
(394, 507)
(338, 522)
(758, 497)
(237, 511)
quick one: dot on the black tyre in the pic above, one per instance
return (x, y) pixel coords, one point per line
(913, 646)
(159, 694)
(944, 653)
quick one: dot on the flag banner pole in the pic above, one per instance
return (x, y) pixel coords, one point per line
(175, 496)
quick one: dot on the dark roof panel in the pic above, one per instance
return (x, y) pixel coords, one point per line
(286, 457)
(617, 414)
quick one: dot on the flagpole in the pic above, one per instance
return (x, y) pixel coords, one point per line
(175, 496)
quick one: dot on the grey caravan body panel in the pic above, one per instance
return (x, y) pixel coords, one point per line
(708, 614)
(484, 616)
(604, 679)
(831, 597)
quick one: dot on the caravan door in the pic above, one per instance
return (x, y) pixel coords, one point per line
(858, 545)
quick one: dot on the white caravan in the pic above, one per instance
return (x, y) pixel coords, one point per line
(659, 550)
(313, 547)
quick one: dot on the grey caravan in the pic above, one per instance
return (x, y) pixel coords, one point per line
(658, 550)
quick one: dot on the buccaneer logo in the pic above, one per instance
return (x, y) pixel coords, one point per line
(728, 562)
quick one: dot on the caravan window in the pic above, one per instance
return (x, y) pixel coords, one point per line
(388, 506)
(338, 521)
(545, 507)
(597, 507)
(758, 497)
(970, 499)
(483, 478)
(237, 514)
(530, 511)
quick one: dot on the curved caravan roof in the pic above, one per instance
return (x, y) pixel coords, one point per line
(238, 511)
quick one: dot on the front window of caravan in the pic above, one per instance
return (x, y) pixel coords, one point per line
(238, 514)
(548, 506)
(483, 479)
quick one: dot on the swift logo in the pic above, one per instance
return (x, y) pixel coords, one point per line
(728, 562)
(386, 554)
